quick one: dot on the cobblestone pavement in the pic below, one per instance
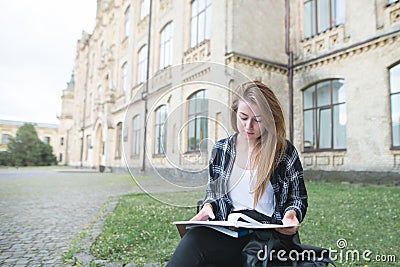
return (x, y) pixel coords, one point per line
(42, 211)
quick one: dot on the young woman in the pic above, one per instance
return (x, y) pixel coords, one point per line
(254, 169)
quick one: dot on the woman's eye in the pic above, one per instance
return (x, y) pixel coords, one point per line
(243, 118)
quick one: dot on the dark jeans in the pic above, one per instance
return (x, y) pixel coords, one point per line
(202, 247)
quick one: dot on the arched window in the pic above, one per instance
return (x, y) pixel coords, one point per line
(142, 64)
(166, 46)
(197, 121)
(160, 130)
(124, 77)
(127, 22)
(324, 113)
(136, 136)
(394, 74)
(144, 9)
(118, 144)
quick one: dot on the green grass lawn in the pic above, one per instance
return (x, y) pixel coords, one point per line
(140, 230)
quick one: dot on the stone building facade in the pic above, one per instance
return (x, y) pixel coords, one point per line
(152, 82)
(47, 133)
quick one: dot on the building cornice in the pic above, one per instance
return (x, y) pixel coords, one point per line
(271, 66)
(349, 51)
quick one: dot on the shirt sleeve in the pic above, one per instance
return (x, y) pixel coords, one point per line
(216, 187)
(297, 194)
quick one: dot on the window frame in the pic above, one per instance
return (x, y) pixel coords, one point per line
(200, 120)
(135, 146)
(195, 17)
(336, 16)
(160, 130)
(127, 20)
(142, 64)
(166, 46)
(124, 77)
(316, 109)
(5, 138)
(118, 143)
(144, 9)
(391, 96)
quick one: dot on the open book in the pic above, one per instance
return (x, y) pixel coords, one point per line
(237, 225)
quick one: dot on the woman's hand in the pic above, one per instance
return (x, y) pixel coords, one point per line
(289, 218)
(205, 213)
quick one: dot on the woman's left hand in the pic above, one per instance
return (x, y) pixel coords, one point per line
(289, 218)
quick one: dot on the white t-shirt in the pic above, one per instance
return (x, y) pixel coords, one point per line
(241, 191)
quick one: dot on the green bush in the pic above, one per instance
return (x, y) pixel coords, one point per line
(26, 149)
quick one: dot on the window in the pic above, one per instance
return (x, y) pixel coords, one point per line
(127, 22)
(142, 64)
(99, 92)
(324, 113)
(62, 141)
(136, 135)
(321, 15)
(166, 46)
(394, 74)
(197, 121)
(124, 77)
(5, 139)
(160, 130)
(145, 9)
(200, 22)
(118, 144)
(88, 145)
(126, 134)
(46, 140)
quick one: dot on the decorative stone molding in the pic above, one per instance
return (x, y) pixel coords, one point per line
(395, 16)
(162, 78)
(165, 5)
(143, 25)
(197, 75)
(320, 43)
(396, 159)
(344, 53)
(324, 159)
(199, 53)
(256, 63)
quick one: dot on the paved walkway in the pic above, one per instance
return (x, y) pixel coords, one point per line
(42, 211)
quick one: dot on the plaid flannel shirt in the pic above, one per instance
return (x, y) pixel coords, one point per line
(286, 180)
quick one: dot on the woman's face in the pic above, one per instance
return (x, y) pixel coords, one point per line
(248, 120)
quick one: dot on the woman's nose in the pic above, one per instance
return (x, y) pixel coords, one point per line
(249, 124)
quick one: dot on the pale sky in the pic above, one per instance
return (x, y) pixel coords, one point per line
(37, 55)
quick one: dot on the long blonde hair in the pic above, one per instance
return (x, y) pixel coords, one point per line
(271, 145)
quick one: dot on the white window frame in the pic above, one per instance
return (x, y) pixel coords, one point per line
(144, 9)
(142, 64)
(166, 46)
(124, 77)
(127, 27)
(160, 130)
(394, 80)
(200, 22)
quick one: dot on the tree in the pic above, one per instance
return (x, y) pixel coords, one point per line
(26, 149)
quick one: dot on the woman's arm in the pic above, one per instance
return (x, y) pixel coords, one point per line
(295, 207)
(297, 198)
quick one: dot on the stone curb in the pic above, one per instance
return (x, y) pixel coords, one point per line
(86, 259)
